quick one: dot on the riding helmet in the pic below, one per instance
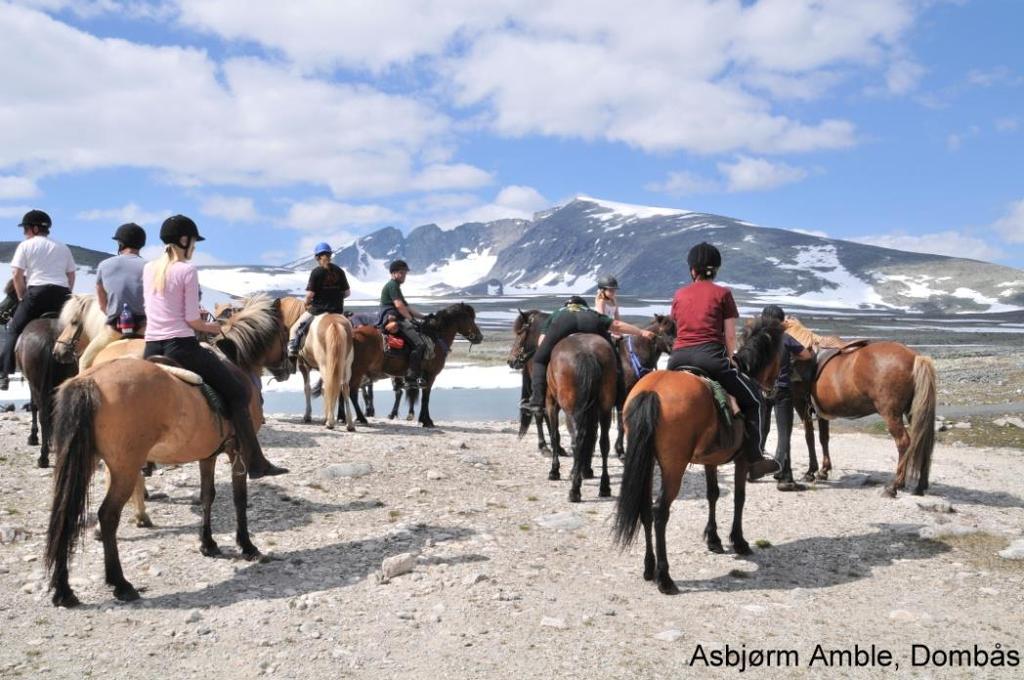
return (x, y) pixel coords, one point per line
(176, 226)
(608, 282)
(398, 266)
(773, 313)
(705, 258)
(577, 300)
(36, 218)
(130, 235)
(322, 248)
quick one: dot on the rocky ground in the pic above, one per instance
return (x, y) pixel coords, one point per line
(506, 578)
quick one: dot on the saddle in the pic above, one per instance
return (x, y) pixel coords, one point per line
(827, 354)
(213, 398)
(726, 406)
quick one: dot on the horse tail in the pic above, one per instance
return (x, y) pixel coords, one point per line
(75, 446)
(588, 405)
(331, 373)
(642, 419)
(317, 389)
(922, 423)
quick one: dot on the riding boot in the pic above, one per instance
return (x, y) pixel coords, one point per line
(539, 388)
(249, 448)
(758, 465)
(295, 343)
(414, 374)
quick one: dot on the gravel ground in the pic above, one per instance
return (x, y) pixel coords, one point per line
(507, 578)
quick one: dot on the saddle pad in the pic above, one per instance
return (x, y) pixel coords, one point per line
(722, 398)
(182, 374)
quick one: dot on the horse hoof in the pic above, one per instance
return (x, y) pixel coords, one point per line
(144, 522)
(668, 587)
(307, 419)
(822, 475)
(410, 417)
(429, 423)
(392, 416)
(649, 574)
(33, 440)
(126, 593)
(889, 492)
(253, 555)
(66, 599)
(350, 428)
(742, 548)
(575, 497)
(716, 547)
(554, 476)
(605, 492)
(370, 413)
(808, 477)
(362, 421)
(43, 462)
(588, 473)
(329, 426)
(211, 550)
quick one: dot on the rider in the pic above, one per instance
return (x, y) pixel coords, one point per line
(119, 284)
(705, 315)
(605, 302)
(172, 302)
(394, 309)
(783, 400)
(325, 294)
(43, 272)
(573, 317)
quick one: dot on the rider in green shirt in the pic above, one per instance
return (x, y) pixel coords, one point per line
(396, 316)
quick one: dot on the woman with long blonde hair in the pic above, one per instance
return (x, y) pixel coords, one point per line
(171, 291)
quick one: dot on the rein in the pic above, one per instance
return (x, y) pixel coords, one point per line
(73, 342)
(634, 359)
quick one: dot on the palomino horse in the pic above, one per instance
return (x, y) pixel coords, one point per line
(672, 418)
(128, 412)
(890, 379)
(81, 322)
(582, 382)
(34, 355)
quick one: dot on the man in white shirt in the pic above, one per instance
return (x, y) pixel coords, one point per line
(43, 272)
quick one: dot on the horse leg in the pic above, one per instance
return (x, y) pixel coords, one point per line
(308, 415)
(138, 500)
(396, 386)
(542, 445)
(45, 430)
(646, 518)
(605, 489)
(713, 492)
(368, 398)
(812, 454)
(122, 482)
(411, 397)
(574, 439)
(207, 492)
(620, 449)
(669, 490)
(33, 434)
(346, 399)
(739, 544)
(826, 459)
(556, 445)
(240, 495)
(898, 431)
(425, 419)
(360, 417)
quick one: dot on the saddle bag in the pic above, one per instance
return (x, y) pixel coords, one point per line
(394, 342)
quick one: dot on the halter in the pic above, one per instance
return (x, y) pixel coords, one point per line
(72, 344)
(634, 359)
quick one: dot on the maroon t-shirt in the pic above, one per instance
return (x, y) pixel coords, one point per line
(700, 310)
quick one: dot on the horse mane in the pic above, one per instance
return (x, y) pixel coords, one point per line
(760, 344)
(253, 329)
(9, 288)
(83, 309)
(450, 315)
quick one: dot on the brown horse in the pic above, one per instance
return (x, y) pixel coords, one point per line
(582, 382)
(801, 392)
(639, 357)
(890, 379)
(672, 418)
(34, 356)
(128, 412)
(527, 330)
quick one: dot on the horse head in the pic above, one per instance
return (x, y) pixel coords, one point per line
(526, 328)
(760, 352)
(74, 335)
(256, 337)
(9, 303)
(463, 318)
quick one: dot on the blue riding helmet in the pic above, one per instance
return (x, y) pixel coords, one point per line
(322, 248)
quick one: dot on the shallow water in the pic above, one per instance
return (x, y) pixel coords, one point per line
(451, 404)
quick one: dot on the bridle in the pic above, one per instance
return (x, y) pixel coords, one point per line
(517, 360)
(71, 346)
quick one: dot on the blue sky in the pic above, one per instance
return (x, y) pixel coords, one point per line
(277, 125)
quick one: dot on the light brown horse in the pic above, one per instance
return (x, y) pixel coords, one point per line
(672, 418)
(890, 379)
(129, 412)
(582, 382)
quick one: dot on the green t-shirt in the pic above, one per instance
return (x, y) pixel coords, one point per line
(598, 322)
(391, 293)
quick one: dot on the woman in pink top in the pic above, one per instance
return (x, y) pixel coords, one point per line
(171, 292)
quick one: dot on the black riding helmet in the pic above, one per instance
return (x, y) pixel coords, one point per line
(398, 266)
(36, 218)
(608, 281)
(705, 259)
(773, 313)
(130, 235)
(577, 300)
(176, 226)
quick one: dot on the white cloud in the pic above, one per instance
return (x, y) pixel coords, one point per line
(242, 122)
(952, 243)
(684, 183)
(230, 208)
(1011, 225)
(758, 174)
(130, 212)
(660, 75)
(998, 75)
(201, 257)
(9, 211)
(449, 211)
(17, 187)
(324, 214)
(954, 142)
(1007, 124)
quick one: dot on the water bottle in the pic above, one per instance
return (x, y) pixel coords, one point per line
(126, 322)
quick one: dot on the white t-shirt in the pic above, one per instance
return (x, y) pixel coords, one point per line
(45, 262)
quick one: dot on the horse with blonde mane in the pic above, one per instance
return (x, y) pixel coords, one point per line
(129, 412)
(84, 332)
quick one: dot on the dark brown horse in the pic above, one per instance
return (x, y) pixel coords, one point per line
(800, 390)
(527, 329)
(34, 356)
(639, 357)
(582, 382)
(890, 379)
(672, 418)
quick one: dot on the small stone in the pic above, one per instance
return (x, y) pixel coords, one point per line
(203, 630)
(397, 565)
(405, 616)
(670, 635)
(473, 579)
(963, 425)
(1010, 421)
(553, 622)
(413, 492)
(154, 571)
(560, 521)
(1015, 551)
(435, 475)
(29, 558)
(12, 534)
(194, 616)
(345, 470)
(475, 459)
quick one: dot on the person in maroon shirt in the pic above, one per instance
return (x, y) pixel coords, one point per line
(705, 315)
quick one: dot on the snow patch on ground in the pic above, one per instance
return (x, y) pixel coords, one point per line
(850, 292)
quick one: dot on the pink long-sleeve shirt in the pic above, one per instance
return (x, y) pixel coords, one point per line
(168, 313)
